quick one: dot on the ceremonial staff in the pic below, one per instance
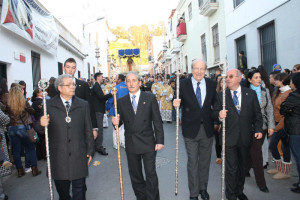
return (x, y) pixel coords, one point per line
(223, 128)
(177, 132)
(43, 85)
(114, 92)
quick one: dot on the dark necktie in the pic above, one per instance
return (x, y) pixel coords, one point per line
(198, 95)
(134, 106)
(236, 101)
(67, 105)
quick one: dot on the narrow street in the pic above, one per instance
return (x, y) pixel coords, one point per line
(103, 181)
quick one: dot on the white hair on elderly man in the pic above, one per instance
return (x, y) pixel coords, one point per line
(59, 80)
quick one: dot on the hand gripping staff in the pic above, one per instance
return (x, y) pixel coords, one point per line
(43, 84)
(114, 92)
(177, 132)
(225, 66)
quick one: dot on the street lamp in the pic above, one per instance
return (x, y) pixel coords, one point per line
(84, 25)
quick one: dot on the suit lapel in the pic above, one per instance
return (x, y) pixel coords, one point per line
(244, 98)
(140, 103)
(207, 93)
(229, 101)
(190, 89)
(129, 106)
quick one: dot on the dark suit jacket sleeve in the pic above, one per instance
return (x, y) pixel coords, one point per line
(99, 93)
(89, 138)
(258, 120)
(157, 122)
(217, 107)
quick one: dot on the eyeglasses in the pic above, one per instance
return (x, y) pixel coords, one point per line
(71, 85)
(294, 70)
(231, 76)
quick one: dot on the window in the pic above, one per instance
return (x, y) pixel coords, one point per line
(60, 68)
(186, 64)
(200, 2)
(240, 46)
(203, 48)
(190, 11)
(268, 46)
(237, 2)
(36, 69)
(216, 45)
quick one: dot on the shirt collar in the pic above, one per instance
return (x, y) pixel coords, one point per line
(239, 90)
(194, 82)
(64, 101)
(136, 94)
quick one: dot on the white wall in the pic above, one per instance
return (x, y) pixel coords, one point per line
(286, 18)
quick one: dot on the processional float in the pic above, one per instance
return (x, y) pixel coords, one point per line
(43, 84)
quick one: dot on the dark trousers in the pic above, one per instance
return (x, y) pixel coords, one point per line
(99, 139)
(295, 147)
(144, 190)
(285, 147)
(78, 189)
(255, 161)
(199, 156)
(218, 146)
(41, 147)
(236, 160)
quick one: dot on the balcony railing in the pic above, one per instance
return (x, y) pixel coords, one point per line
(181, 32)
(208, 7)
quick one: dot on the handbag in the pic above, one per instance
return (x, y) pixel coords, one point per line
(30, 132)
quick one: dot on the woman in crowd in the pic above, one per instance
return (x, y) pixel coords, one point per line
(282, 81)
(296, 68)
(291, 111)
(37, 105)
(255, 161)
(4, 120)
(19, 112)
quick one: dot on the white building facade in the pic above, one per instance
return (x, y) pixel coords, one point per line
(205, 33)
(267, 31)
(21, 59)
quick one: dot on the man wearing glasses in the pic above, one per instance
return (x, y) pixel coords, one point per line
(243, 123)
(82, 90)
(71, 142)
(197, 95)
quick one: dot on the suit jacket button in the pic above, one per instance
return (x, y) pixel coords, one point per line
(69, 154)
(69, 140)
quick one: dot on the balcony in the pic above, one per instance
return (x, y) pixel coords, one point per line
(208, 7)
(181, 32)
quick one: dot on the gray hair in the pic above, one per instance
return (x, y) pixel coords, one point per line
(198, 60)
(60, 78)
(134, 73)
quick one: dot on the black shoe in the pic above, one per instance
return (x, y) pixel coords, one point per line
(204, 195)
(266, 165)
(103, 152)
(264, 189)
(247, 175)
(6, 197)
(296, 190)
(295, 184)
(193, 198)
(242, 197)
(169, 122)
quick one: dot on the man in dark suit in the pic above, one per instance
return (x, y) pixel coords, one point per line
(71, 142)
(243, 122)
(197, 95)
(98, 101)
(139, 112)
(82, 90)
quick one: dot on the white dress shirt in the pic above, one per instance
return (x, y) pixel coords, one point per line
(202, 88)
(137, 97)
(238, 94)
(64, 101)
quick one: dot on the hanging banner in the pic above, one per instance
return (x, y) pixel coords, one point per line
(29, 20)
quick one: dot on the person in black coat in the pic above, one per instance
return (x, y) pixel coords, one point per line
(98, 102)
(144, 136)
(197, 96)
(82, 91)
(243, 123)
(71, 141)
(290, 108)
